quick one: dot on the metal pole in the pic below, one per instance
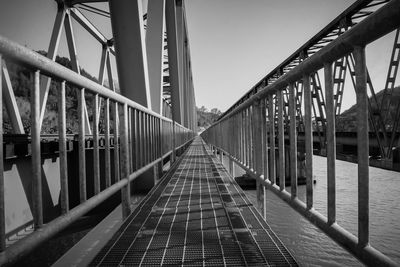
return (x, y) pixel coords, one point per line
(81, 144)
(125, 191)
(2, 191)
(36, 157)
(116, 142)
(331, 142)
(96, 155)
(308, 141)
(281, 141)
(362, 146)
(265, 153)
(107, 160)
(62, 147)
(293, 141)
(271, 115)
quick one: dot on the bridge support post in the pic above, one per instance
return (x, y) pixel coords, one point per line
(174, 59)
(154, 49)
(127, 26)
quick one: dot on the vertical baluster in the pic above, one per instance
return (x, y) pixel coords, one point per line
(36, 160)
(136, 134)
(247, 139)
(96, 155)
(2, 207)
(116, 142)
(62, 147)
(173, 142)
(362, 146)
(242, 138)
(252, 138)
(281, 141)
(140, 139)
(271, 114)
(130, 139)
(147, 137)
(258, 145)
(143, 138)
(125, 191)
(81, 144)
(107, 162)
(159, 138)
(265, 153)
(152, 138)
(309, 140)
(330, 142)
(293, 141)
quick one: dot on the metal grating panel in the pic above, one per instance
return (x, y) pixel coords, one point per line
(196, 216)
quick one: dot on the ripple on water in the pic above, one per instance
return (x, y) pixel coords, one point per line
(310, 246)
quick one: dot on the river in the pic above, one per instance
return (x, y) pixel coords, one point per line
(309, 245)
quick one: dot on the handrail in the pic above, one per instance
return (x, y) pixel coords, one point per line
(35, 61)
(142, 139)
(250, 137)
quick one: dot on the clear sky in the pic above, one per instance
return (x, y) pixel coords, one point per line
(234, 43)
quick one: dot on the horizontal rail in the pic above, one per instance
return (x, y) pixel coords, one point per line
(31, 59)
(239, 132)
(142, 139)
(368, 254)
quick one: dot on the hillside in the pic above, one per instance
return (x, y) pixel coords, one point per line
(21, 80)
(206, 118)
(347, 121)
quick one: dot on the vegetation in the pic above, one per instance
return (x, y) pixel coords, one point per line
(206, 118)
(22, 82)
(347, 121)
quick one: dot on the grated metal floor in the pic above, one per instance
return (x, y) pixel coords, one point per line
(196, 216)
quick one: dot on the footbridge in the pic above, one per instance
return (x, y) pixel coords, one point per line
(120, 152)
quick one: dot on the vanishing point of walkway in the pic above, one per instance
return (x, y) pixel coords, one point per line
(195, 216)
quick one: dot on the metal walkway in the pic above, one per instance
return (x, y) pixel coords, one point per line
(196, 216)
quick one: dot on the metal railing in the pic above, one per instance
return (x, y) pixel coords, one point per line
(247, 134)
(142, 139)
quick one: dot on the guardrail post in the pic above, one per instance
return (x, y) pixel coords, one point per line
(331, 142)
(81, 145)
(36, 156)
(96, 154)
(281, 141)
(293, 141)
(173, 156)
(258, 147)
(116, 142)
(2, 210)
(362, 146)
(265, 152)
(64, 201)
(271, 115)
(107, 161)
(308, 140)
(125, 191)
